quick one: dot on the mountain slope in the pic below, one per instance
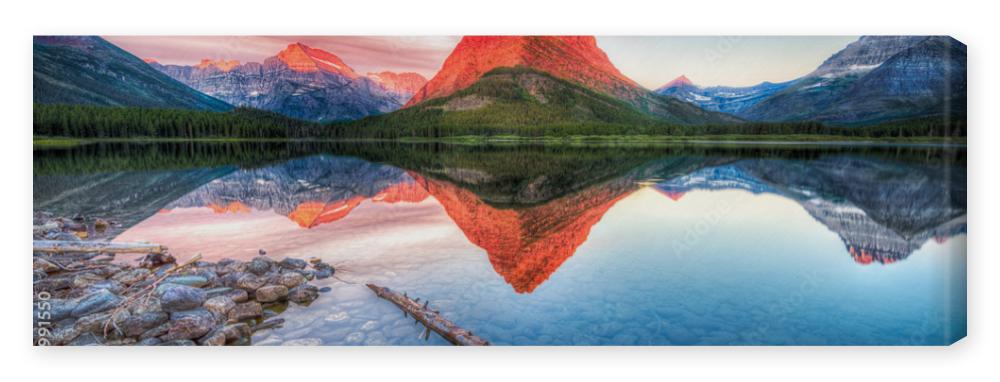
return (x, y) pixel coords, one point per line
(300, 82)
(516, 98)
(89, 70)
(576, 59)
(404, 85)
(876, 79)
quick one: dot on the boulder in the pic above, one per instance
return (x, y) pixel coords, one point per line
(181, 297)
(271, 293)
(246, 311)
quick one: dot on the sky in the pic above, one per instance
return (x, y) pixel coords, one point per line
(650, 61)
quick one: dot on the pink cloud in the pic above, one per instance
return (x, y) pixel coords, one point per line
(423, 55)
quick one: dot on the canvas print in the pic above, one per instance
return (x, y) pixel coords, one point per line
(499, 190)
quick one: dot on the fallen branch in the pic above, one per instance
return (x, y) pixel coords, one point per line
(432, 320)
(60, 246)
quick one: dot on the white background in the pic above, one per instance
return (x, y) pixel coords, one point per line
(971, 22)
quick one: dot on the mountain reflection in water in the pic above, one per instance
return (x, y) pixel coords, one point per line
(527, 210)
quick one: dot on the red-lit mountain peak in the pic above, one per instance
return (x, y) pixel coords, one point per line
(573, 58)
(302, 58)
(676, 83)
(222, 65)
(406, 82)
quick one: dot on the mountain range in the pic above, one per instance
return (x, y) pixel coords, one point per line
(301, 82)
(872, 80)
(90, 70)
(515, 82)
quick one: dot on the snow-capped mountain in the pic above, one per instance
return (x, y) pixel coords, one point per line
(726, 99)
(876, 79)
(300, 81)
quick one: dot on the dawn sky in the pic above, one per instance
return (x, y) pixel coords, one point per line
(650, 61)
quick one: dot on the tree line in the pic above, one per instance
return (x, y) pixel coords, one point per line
(81, 121)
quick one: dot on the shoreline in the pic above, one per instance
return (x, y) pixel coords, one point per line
(790, 140)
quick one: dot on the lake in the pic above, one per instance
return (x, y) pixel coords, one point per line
(685, 244)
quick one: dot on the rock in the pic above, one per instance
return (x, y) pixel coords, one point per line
(260, 265)
(303, 342)
(178, 343)
(94, 323)
(96, 302)
(181, 297)
(45, 265)
(189, 280)
(236, 331)
(215, 292)
(238, 295)
(137, 324)
(153, 341)
(246, 311)
(151, 304)
(261, 252)
(220, 305)
(325, 289)
(271, 293)
(157, 260)
(215, 338)
(120, 342)
(57, 309)
(250, 283)
(131, 276)
(304, 293)
(101, 225)
(63, 335)
(291, 263)
(268, 324)
(156, 331)
(189, 324)
(290, 279)
(64, 236)
(85, 279)
(109, 285)
(86, 339)
(323, 274)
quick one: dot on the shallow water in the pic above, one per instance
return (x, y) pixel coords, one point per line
(543, 245)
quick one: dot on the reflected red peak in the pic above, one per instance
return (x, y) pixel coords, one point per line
(232, 207)
(314, 213)
(525, 246)
(411, 192)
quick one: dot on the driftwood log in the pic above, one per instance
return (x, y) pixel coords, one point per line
(432, 320)
(59, 246)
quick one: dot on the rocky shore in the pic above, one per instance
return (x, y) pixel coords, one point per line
(90, 299)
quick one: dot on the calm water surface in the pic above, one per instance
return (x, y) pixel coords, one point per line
(559, 245)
